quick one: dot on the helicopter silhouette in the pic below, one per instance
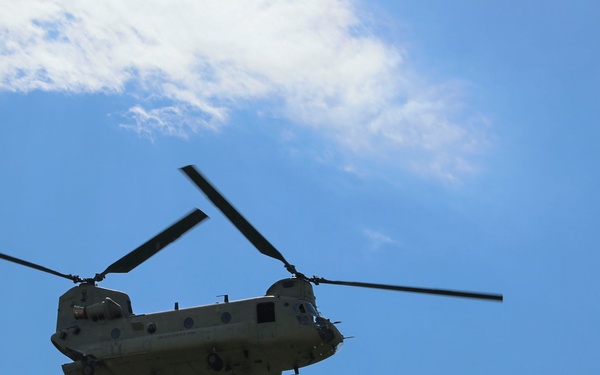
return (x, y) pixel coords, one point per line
(282, 330)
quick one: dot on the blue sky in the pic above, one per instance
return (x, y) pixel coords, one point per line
(434, 144)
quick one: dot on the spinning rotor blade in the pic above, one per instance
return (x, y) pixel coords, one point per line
(154, 245)
(265, 247)
(441, 292)
(243, 225)
(25, 263)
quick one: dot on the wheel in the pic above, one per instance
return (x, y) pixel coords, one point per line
(88, 369)
(214, 361)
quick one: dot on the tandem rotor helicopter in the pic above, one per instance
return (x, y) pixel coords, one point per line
(282, 330)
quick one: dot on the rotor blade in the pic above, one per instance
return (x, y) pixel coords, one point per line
(154, 245)
(442, 292)
(39, 268)
(235, 217)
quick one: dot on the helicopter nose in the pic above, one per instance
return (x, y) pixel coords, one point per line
(338, 339)
(329, 332)
(331, 341)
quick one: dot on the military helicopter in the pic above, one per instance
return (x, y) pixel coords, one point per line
(282, 330)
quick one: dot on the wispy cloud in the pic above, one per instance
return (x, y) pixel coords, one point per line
(313, 63)
(377, 240)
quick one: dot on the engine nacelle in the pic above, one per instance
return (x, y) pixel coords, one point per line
(87, 301)
(107, 309)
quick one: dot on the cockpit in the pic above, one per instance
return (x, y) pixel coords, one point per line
(306, 313)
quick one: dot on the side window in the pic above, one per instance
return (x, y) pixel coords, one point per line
(302, 309)
(301, 314)
(265, 312)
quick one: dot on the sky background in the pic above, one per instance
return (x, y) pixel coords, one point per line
(422, 143)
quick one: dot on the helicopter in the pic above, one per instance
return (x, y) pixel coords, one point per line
(279, 331)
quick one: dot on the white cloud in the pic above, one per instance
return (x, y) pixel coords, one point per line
(378, 239)
(311, 61)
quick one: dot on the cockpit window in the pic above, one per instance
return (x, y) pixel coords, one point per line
(312, 310)
(306, 313)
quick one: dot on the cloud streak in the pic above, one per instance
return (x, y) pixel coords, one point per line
(313, 62)
(377, 240)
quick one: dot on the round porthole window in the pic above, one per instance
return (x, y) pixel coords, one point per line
(226, 317)
(151, 327)
(115, 334)
(188, 323)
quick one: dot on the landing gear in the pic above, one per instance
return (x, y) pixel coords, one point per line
(88, 368)
(214, 361)
(88, 365)
(83, 366)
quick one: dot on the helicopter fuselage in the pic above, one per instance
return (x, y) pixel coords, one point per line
(264, 335)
